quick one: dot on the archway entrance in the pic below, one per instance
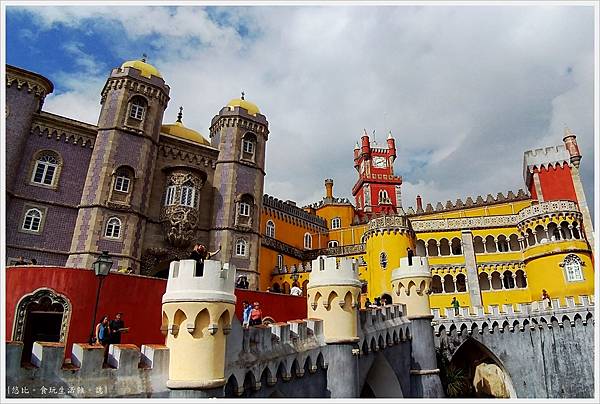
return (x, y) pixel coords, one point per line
(386, 299)
(41, 316)
(474, 371)
(381, 381)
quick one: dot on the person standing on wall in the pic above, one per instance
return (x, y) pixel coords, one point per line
(103, 335)
(295, 291)
(256, 314)
(117, 327)
(410, 254)
(247, 309)
(456, 306)
(200, 253)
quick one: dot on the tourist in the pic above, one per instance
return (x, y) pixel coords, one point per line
(117, 327)
(368, 303)
(410, 254)
(242, 282)
(200, 253)
(256, 314)
(295, 291)
(21, 261)
(33, 261)
(103, 335)
(456, 306)
(246, 310)
(546, 299)
(377, 302)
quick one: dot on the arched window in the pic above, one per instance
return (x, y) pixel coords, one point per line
(432, 248)
(383, 196)
(575, 230)
(508, 281)
(496, 282)
(113, 228)
(421, 252)
(565, 233)
(307, 241)
(490, 244)
(540, 234)
(332, 243)
(336, 223)
(514, 242)
(122, 180)
(436, 284)
(249, 146)
(478, 245)
(170, 195)
(270, 229)
(444, 247)
(461, 283)
(572, 265)
(32, 220)
(188, 194)
(383, 261)
(45, 169)
(448, 284)
(279, 261)
(137, 108)
(456, 246)
(240, 248)
(521, 281)
(245, 211)
(553, 231)
(502, 243)
(484, 281)
(530, 238)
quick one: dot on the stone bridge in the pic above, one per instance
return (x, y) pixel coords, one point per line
(542, 351)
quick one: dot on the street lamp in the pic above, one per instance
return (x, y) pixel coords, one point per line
(295, 275)
(101, 269)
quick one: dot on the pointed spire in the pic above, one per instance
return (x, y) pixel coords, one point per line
(180, 115)
(357, 146)
(243, 95)
(390, 135)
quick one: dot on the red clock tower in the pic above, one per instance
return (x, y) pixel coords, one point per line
(377, 189)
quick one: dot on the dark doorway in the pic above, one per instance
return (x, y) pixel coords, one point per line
(43, 321)
(386, 299)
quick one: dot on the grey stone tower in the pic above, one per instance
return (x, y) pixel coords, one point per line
(240, 132)
(114, 203)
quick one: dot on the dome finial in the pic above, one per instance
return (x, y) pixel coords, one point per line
(243, 95)
(144, 56)
(180, 115)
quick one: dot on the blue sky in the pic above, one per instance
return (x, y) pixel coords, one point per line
(465, 90)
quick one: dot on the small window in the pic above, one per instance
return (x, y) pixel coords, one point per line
(332, 243)
(240, 248)
(270, 229)
(279, 261)
(45, 169)
(188, 195)
(170, 195)
(113, 228)
(383, 196)
(307, 241)
(336, 223)
(244, 209)
(122, 182)
(248, 146)
(383, 260)
(137, 110)
(572, 265)
(32, 220)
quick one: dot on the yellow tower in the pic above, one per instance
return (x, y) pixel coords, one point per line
(387, 239)
(411, 283)
(198, 307)
(557, 256)
(333, 293)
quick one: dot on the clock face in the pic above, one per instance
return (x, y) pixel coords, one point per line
(379, 162)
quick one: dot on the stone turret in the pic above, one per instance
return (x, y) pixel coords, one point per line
(198, 307)
(333, 294)
(410, 285)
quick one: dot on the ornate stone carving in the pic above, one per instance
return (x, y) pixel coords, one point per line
(46, 298)
(547, 209)
(180, 218)
(464, 223)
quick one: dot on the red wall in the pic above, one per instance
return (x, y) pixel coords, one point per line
(557, 183)
(138, 297)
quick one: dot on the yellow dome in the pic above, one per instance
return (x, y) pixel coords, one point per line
(146, 69)
(178, 130)
(247, 105)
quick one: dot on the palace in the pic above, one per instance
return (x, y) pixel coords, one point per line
(145, 190)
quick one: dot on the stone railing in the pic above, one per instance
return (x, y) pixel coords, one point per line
(546, 208)
(383, 327)
(506, 318)
(464, 223)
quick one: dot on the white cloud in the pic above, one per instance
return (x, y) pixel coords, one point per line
(465, 90)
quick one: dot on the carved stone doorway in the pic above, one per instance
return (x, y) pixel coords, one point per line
(41, 316)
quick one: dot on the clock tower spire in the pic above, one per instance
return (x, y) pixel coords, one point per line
(377, 190)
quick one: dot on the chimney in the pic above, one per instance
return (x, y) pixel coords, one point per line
(571, 144)
(329, 188)
(419, 204)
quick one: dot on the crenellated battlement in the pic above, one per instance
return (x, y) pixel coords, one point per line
(329, 271)
(189, 282)
(130, 371)
(507, 317)
(544, 158)
(418, 268)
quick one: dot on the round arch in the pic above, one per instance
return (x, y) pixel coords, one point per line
(381, 380)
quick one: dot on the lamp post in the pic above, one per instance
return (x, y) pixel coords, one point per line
(295, 275)
(101, 269)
